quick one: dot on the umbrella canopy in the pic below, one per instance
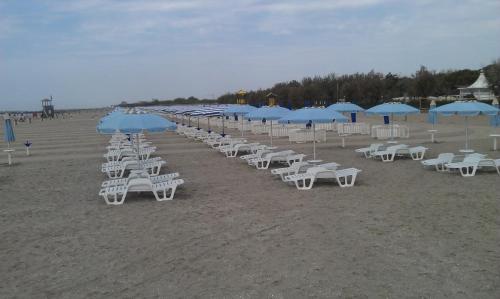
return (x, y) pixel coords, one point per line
(345, 107)
(313, 116)
(135, 123)
(8, 135)
(268, 113)
(466, 109)
(239, 109)
(392, 109)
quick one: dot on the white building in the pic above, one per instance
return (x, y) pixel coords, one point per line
(480, 89)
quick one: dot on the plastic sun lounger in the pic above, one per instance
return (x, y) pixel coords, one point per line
(439, 162)
(443, 159)
(117, 155)
(129, 159)
(298, 167)
(154, 179)
(282, 157)
(389, 153)
(415, 153)
(305, 181)
(471, 164)
(117, 171)
(240, 147)
(368, 151)
(258, 154)
(115, 195)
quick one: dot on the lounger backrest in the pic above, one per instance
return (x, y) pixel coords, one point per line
(472, 159)
(446, 156)
(331, 165)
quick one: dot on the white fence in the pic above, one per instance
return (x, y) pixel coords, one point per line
(353, 128)
(390, 131)
(306, 135)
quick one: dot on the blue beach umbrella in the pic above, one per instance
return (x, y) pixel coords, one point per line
(313, 116)
(129, 123)
(268, 113)
(8, 131)
(346, 107)
(466, 109)
(391, 109)
(237, 110)
(135, 123)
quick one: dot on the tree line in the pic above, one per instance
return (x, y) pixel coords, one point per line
(364, 89)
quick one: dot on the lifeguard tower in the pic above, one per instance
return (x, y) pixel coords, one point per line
(271, 99)
(240, 97)
(47, 108)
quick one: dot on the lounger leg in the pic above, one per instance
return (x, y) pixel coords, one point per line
(162, 195)
(304, 184)
(347, 180)
(114, 198)
(468, 171)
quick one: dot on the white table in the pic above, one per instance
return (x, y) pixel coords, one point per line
(9, 154)
(432, 132)
(494, 136)
(343, 139)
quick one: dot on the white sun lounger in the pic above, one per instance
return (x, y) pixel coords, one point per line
(258, 154)
(287, 156)
(240, 147)
(117, 155)
(305, 181)
(154, 179)
(115, 195)
(117, 171)
(439, 162)
(389, 153)
(471, 164)
(368, 151)
(129, 159)
(416, 153)
(298, 167)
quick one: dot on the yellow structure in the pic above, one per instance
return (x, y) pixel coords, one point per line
(271, 99)
(240, 97)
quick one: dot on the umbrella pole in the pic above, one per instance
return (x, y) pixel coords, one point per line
(466, 134)
(241, 125)
(271, 133)
(314, 141)
(392, 126)
(223, 134)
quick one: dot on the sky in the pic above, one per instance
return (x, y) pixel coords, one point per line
(94, 53)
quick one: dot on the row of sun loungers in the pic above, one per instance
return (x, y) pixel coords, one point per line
(130, 168)
(467, 165)
(294, 170)
(387, 153)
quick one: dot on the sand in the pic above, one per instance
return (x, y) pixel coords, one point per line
(235, 232)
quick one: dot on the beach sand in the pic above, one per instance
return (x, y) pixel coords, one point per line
(236, 232)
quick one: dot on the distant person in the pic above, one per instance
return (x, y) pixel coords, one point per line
(309, 124)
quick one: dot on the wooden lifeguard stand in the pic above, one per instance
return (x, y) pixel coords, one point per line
(271, 99)
(240, 97)
(47, 108)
